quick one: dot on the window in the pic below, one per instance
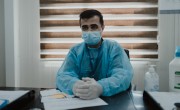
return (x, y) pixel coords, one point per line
(132, 23)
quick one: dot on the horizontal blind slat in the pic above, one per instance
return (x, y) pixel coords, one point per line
(102, 10)
(98, 5)
(107, 28)
(132, 51)
(105, 17)
(125, 45)
(151, 34)
(107, 23)
(133, 57)
(90, 1)
(79, 40)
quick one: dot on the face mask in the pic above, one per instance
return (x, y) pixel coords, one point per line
(91, 38)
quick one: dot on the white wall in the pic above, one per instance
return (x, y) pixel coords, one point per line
(33, 71)
(169, 4)
(36, 73)
(169, 39)
(2, 45)
(11, 18)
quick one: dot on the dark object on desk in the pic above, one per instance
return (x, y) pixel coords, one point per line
(177, 106)
(149, 100)
(20, 102)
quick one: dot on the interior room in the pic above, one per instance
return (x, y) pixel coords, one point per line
(23, 59)
(37, 37)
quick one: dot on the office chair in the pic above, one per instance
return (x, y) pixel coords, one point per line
(132, 86)
(127, 53)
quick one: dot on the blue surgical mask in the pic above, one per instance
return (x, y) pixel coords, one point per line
(92, 37)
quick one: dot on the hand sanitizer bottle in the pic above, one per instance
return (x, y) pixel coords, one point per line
(174, 72)
(151, 80)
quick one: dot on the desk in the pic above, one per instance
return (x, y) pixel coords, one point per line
(123, 101)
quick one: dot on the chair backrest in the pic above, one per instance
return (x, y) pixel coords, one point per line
(127, 53)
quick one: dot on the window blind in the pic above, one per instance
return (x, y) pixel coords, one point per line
(132, 23)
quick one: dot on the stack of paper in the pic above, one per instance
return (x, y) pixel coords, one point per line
(55, 100)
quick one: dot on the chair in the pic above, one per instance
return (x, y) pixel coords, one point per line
(127, 52)
(132, 86)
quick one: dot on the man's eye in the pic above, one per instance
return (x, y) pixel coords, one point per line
(94, 26)
(84, 28)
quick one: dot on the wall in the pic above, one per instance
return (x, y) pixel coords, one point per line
(34, 72)
(2, 45)
(169, 26)
(11, 18)
(169, 39)
(169, 4)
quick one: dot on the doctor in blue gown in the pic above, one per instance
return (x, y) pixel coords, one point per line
(96, 66)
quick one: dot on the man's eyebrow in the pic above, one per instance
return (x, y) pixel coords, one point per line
(88, 25)
(84, 25)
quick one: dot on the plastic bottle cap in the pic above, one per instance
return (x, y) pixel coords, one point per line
(177, 53)
(151, 69)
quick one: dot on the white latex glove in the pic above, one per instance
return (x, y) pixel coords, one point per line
(91, 89)
(75, 87)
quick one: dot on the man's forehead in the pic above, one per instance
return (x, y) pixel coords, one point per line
(94, 19)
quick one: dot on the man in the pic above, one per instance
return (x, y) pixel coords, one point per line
(96, 66)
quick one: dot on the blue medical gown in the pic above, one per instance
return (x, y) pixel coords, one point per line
(114, 71)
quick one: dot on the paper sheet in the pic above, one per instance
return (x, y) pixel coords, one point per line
(11, 95)
(166, 99)
(67, 102)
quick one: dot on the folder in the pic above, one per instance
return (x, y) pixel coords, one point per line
(19, 103)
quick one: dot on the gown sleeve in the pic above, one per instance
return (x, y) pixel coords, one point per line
(120, 72)
(67, 74)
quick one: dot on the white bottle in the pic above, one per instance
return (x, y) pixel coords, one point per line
(174, 72)
(151, 82)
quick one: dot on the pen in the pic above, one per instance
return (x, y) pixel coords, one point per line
(76, 96)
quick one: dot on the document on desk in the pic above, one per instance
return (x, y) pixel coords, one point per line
(55, 100)
(6, 97)
(166, 99)
(11, 95)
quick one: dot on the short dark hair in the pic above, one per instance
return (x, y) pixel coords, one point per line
(91, 13)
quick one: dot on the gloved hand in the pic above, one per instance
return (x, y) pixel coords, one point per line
(75, 87)
(91, 89)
